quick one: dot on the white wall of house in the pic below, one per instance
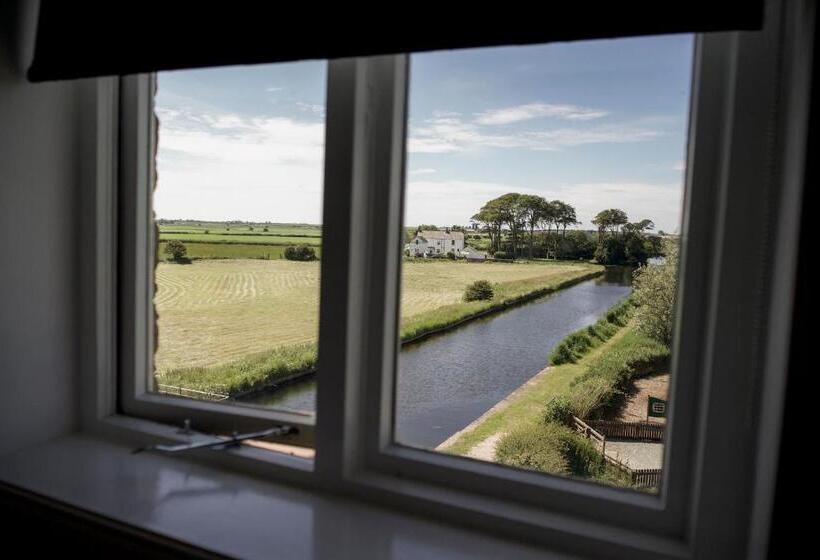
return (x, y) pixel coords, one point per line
(436, 243)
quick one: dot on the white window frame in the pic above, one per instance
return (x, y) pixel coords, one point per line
(744, 179)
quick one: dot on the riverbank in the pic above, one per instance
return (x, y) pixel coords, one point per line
(263, 370)
(527, 429)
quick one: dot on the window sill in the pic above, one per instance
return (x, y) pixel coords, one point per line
(232, 514)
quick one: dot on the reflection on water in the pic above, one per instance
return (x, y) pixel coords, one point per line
(447, 381)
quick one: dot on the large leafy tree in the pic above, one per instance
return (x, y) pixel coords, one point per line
(564, 216)
(609, 220)
(532, 207)
(491, 220)
(655, 290)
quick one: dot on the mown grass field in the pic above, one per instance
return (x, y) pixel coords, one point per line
(214, 312)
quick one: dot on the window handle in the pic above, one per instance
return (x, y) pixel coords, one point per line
(219, 442)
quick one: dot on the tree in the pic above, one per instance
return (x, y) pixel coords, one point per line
(492, 220)
(564, 216)
(532, 207)
(655, 288)
(177, 250)
(609, 221)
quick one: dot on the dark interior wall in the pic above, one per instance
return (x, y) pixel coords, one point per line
(39, 185)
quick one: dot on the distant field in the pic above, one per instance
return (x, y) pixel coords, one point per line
(248, 239)
(237, 239)
(216, 311)
(232, 251)
(223, 227)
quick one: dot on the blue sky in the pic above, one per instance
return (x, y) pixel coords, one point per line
(597, 124)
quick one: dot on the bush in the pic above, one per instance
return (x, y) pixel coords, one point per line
(300, 253)
(265, 230)
(176, 250)
(655, 288)
(478, 290)
(502, 256)
(559, 410)
(538, 447)
(451, 255)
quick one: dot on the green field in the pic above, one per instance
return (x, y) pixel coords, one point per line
(214, 312)
(232, 251)
(240, 235)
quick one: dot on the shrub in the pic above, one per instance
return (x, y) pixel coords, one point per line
(555, 449)
(539, 447)
(265, 229)
(451, 255)
(300, 253)
(558, 409)
(502, 256)
(655, 287)
(207, 231)
(478, 290)
(176, 250)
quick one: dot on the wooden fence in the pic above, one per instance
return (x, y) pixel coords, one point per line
(629, 430)
(642, 478)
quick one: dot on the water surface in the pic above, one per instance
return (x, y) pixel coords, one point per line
(449, 380)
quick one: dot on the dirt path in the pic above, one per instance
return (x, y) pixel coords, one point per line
(636, 454)
(485, 450)
(634, 408)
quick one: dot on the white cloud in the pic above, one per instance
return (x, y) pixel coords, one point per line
(451, 134)
(314, 108)
(422, 171)
(274, 89)
(225, 166)
(518, 113)
(679, 166)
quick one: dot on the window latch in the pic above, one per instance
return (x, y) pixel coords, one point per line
(218, 442)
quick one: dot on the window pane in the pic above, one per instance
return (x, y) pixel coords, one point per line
(543, 213)
(238, 208)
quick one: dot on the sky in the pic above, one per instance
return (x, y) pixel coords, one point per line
(597, 124)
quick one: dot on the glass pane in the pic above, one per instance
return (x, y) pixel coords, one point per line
(238, 209)
(542, 222)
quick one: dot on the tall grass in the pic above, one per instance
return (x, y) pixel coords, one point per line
(253, 372)
(576, 344)
(556, 449)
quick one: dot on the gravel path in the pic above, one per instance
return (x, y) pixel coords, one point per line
(485, 450)
(636, 454)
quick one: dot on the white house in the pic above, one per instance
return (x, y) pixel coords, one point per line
(428, 242)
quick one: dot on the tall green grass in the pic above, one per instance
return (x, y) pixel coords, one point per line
(576, 344)
(250, 373)
(556, 449)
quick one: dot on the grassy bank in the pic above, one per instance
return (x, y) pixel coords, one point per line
(265, 368)
(534, 421)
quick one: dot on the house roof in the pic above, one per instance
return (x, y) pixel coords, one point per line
(431, 234)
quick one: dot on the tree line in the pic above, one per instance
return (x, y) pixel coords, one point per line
(529, 225)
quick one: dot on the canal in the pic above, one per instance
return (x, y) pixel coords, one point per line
(447, 381)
